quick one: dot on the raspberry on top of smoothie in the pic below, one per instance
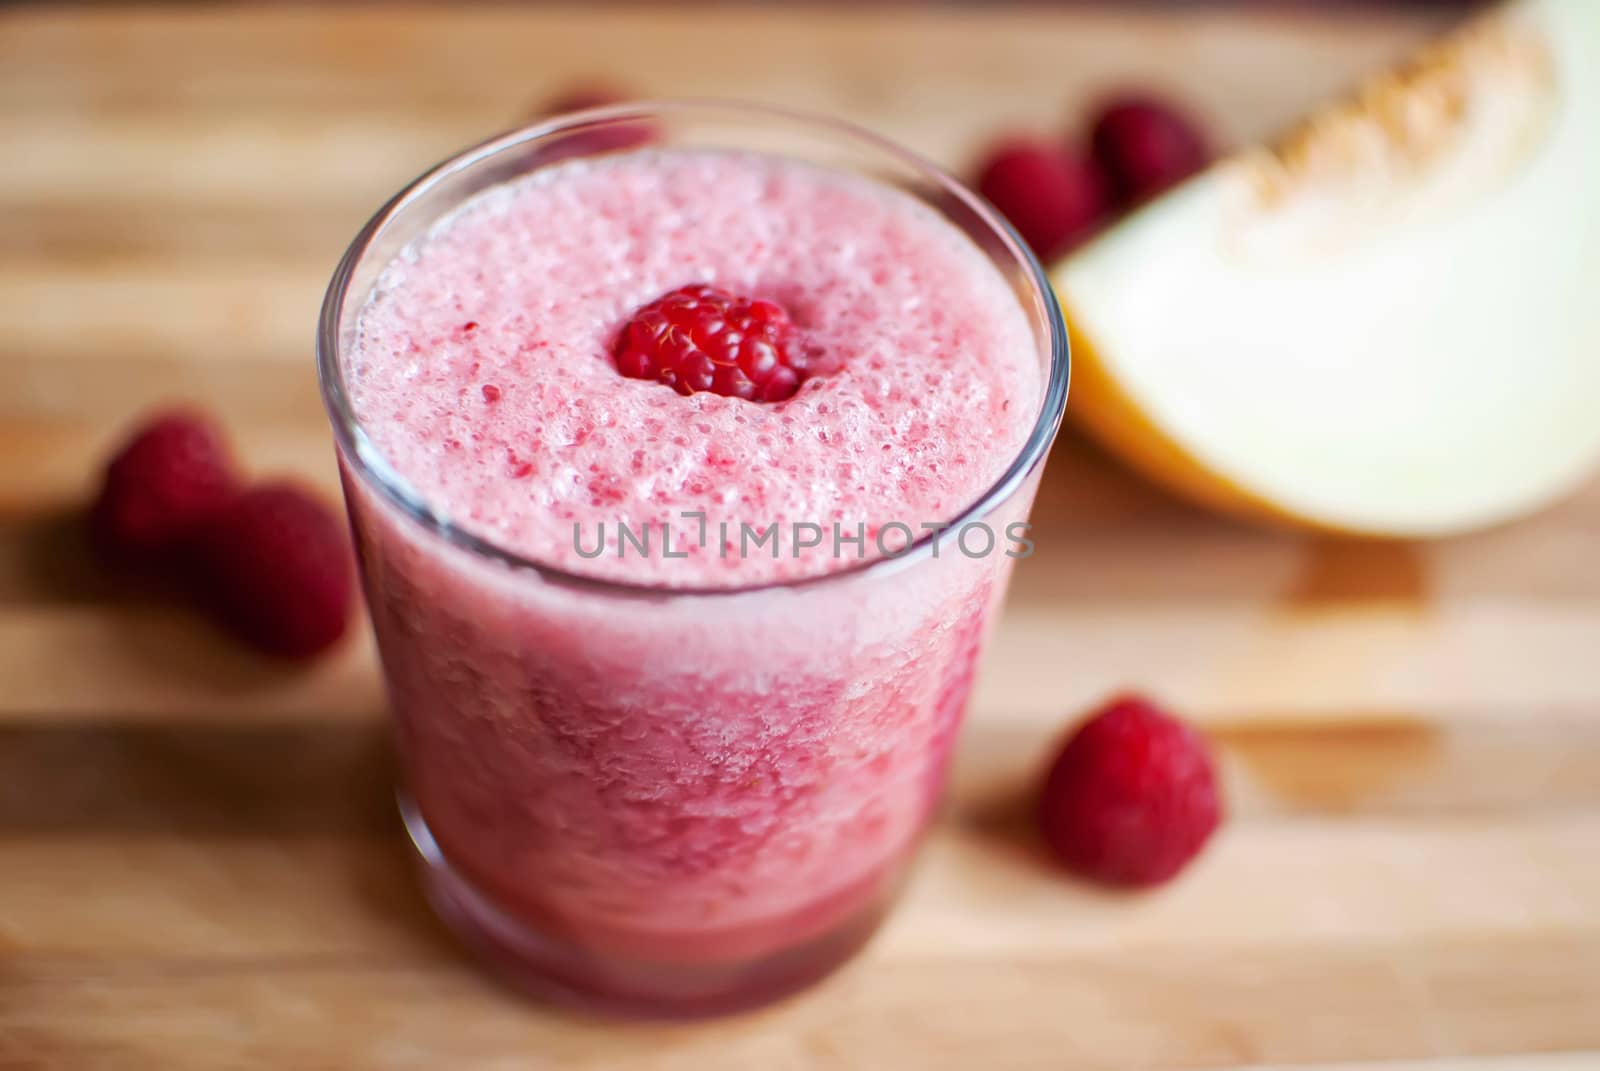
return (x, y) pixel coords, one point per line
(489, 367)
(701, 338)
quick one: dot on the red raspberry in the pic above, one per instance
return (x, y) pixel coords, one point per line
(1054, 198)
(173, 473)
(1132, 797)
(274, 568)
(578, 98)
(1146, 146)
(700, 338)
(613, 137)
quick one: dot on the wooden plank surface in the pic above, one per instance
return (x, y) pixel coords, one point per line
(198, 863)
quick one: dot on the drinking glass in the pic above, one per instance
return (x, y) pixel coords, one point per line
(655, 801)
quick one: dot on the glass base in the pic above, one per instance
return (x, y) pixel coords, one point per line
(553, 969)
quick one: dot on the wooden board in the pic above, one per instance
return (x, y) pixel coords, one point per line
(198, 864)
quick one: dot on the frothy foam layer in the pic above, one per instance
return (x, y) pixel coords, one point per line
(483, 367)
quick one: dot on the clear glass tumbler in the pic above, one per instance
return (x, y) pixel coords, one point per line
(670, 802)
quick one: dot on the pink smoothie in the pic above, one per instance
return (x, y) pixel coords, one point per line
(700, 778)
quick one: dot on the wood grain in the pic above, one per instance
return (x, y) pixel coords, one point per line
(199, 865)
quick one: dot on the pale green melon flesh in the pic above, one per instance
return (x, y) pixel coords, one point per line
(1389, 337)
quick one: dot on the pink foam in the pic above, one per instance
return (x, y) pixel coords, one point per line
(483, 369)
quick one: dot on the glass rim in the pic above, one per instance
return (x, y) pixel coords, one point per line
(370, 466)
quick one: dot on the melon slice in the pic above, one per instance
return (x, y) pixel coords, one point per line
(1386, 323)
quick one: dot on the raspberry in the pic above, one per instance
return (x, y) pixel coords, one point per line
(1132, 797)
(171, 475)
(1054, 198)
(578, 98)
(1146, 146)
(612, 137)
(700, 338)
(274, 568)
